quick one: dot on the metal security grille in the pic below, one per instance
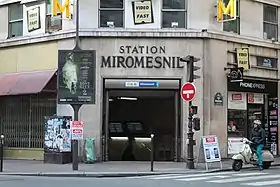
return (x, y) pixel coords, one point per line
(22, 119)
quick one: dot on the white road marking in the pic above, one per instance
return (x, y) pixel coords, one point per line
(250, 174)
(201, 178)
(191, 175)
(244, 179)
(151, 176)
(263, 183)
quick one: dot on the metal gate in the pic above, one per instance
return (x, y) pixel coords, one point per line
(22, 119)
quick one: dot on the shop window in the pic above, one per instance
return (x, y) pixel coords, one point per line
(111, 13)
(233, 25)
(174, 14)
(237, 123)
(15, 20)
(53, 23)
(270, 22)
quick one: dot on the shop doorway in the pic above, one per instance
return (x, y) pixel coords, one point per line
(132, 114)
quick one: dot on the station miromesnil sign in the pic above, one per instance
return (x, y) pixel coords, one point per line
(226, 12)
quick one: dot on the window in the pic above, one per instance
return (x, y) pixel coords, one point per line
(234, 25)
(111, 13)
(270, 22)
(53, 23)
(15, 20)
(174, 14)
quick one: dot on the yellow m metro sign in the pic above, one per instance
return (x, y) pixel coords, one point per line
(228, 10)
(58, 8)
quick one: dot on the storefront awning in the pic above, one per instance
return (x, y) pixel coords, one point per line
(25, 82)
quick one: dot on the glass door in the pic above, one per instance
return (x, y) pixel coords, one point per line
(255, 111)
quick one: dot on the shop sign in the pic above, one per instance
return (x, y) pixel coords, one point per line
(228, 11)
(211, 148)
(141, 56)
(57, 8)
(237, 100)
(259, 86)
(236, 74)
(266, 62)
(218, 99)
(242, 56)
(142, 12)
(33, 19)
(76, 77)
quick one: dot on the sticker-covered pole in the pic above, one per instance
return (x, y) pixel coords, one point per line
(75, 143)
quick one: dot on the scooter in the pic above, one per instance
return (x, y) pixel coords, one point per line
(248, 156)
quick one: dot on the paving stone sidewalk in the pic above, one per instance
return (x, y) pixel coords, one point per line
(38, 168)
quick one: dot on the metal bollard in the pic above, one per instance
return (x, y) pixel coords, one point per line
(152, 152)
(1, 153)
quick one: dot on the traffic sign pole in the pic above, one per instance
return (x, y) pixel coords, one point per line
(75, 143)
(190, 60)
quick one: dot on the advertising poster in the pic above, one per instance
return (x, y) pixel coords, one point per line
(77, 130)
(57, 134)
(142, 12)
(273, 125)
(234, 145)
(237, 100)
(211, 149)
(33, 19)
(76, 77)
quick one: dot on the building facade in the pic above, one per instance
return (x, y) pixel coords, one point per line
(174, 28)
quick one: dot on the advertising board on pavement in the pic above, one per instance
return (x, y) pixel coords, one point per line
(211, 149)
(77, 130)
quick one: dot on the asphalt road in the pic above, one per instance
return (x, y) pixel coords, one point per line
(269, 178)
(253, 177)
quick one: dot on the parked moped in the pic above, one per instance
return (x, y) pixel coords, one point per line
(248, 156)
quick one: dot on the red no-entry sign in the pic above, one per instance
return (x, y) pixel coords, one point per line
(188, 91)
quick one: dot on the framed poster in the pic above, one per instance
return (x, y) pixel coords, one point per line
(33, 19)
(142, 12)
(211, 149)
(76, 76)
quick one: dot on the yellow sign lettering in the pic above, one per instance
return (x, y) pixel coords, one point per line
(229, 10)
(57, 8)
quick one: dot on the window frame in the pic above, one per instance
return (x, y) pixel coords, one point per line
(185, 9)
(10, 22)
(269, 22)
(237, 20)
(111, 9)
(48, 19)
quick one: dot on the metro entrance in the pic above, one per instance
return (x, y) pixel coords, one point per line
(133, 109)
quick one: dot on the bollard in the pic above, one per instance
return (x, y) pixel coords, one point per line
(152, 152)
(2, 152)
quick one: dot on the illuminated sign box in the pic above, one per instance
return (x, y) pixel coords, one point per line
(57, 8)
(226, 12)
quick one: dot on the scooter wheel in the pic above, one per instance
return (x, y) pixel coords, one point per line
(266, 165)
(237, 165)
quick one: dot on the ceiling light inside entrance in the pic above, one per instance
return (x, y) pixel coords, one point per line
(128, 98)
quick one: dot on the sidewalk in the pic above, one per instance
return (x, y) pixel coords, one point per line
(109, 169)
